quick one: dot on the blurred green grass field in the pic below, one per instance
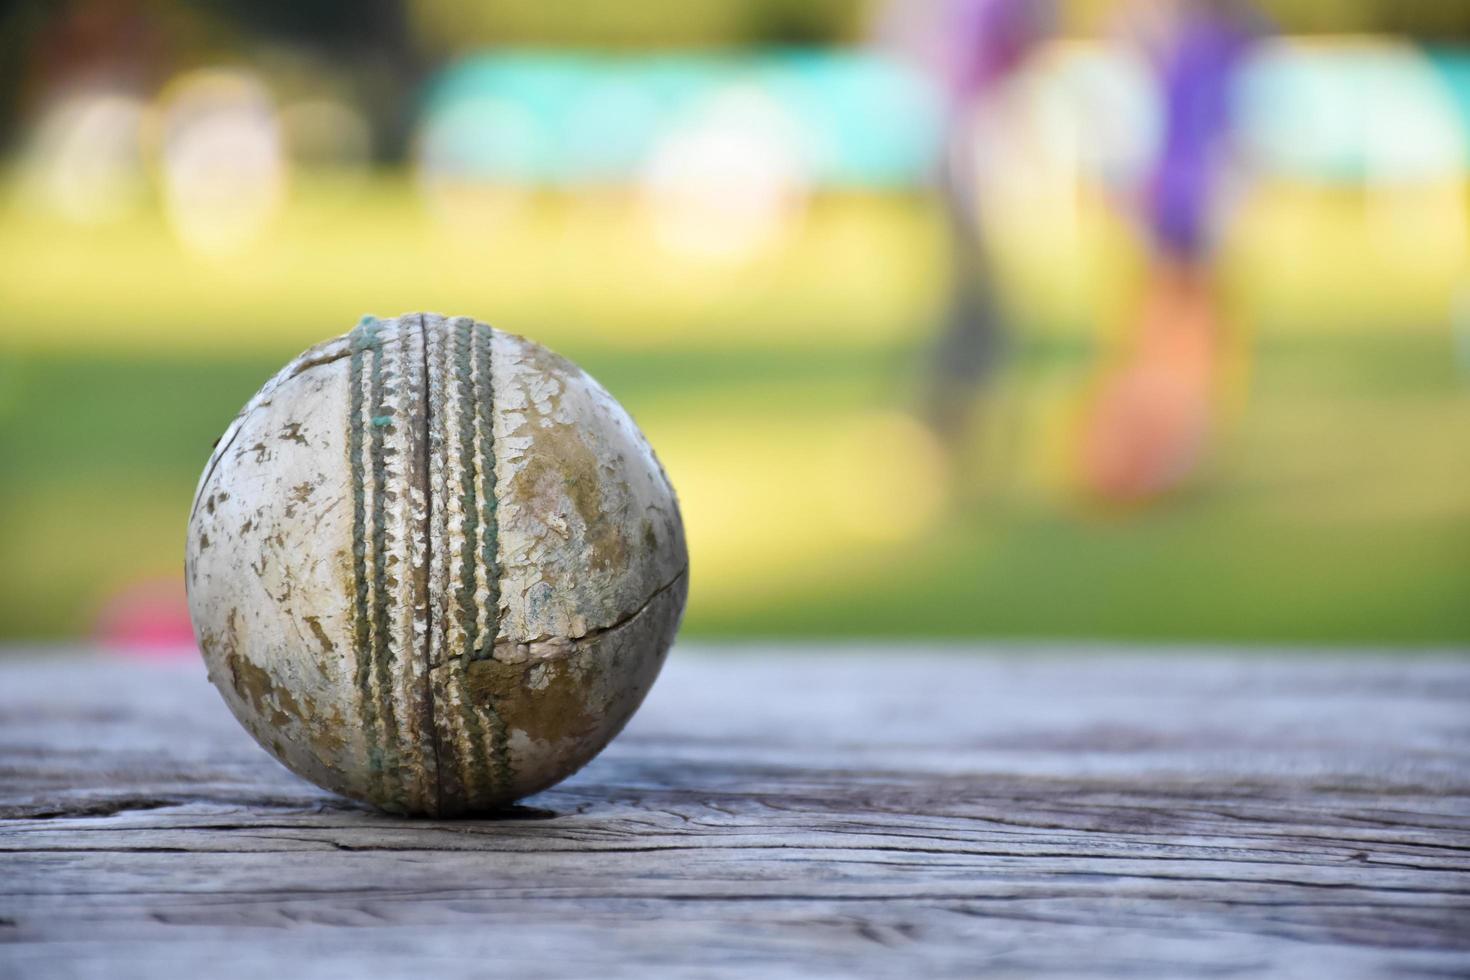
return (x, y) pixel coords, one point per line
(780, 395)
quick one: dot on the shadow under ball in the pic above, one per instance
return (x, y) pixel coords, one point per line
(433, 566)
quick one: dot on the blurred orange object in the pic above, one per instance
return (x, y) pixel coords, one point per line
(1150, 422)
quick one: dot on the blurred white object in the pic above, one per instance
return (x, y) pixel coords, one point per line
(731, 181)
(85, 158)
(223, 160)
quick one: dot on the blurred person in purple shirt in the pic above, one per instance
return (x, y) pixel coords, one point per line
(1151, 419)
(976, 49)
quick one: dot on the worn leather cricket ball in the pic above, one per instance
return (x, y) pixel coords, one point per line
(434, 566)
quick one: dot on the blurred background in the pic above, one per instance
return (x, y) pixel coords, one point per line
(948, 318)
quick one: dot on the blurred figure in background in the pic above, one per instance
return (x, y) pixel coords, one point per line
(977, 48)
(1150, 424)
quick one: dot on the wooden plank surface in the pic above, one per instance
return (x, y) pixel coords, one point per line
(879, 812)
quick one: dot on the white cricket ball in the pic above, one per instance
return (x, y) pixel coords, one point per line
(434, 566)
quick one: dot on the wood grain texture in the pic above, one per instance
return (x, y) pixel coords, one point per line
(888, 812)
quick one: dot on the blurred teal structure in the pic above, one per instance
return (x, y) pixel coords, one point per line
(572, 119)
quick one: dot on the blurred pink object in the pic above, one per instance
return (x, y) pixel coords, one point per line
(148, 618)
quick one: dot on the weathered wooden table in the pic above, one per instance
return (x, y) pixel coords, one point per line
(818, 812)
